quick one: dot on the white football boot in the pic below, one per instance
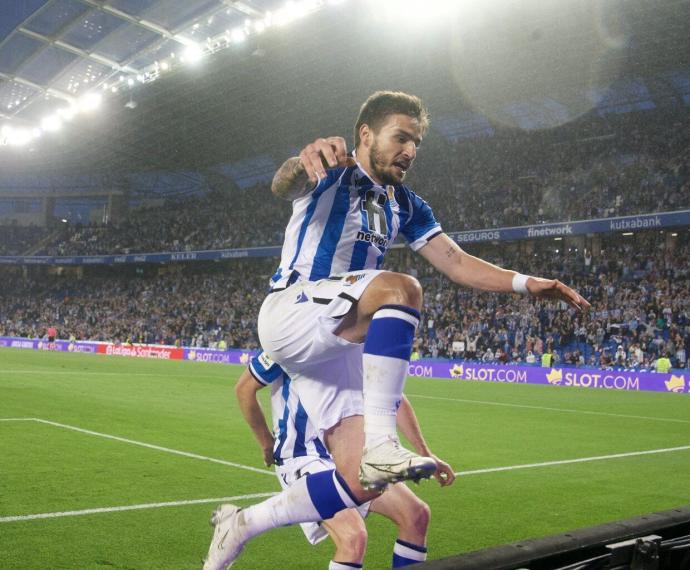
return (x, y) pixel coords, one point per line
(389, 462)
(226, 543)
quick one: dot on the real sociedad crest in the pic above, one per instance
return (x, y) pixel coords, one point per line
(390, 192)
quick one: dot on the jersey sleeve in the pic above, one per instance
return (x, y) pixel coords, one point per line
(421, 225)
(264, 370)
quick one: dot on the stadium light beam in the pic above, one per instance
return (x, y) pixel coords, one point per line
(238, 35)
(51, 123)
(413, 12)
(90, 102)
(192, 53)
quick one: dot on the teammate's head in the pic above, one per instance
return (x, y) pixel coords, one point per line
(389, 128)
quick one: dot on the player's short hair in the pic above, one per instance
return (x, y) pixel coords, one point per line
(382, 104)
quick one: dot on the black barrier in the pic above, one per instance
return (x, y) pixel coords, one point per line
(655, 541)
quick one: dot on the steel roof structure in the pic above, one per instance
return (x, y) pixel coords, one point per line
(59, 49)
(268, 95)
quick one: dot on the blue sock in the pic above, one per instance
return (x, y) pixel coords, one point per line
(313, 498)
(386, 358)
(406, 553)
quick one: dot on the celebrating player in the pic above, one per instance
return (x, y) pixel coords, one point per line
(298, 451)
(333, 314)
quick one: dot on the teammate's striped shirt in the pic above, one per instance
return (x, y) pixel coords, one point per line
(295, 435)
(347, 223)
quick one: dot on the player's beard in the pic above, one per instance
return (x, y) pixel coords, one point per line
(378, 165)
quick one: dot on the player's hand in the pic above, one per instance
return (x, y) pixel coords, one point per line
(324, 154)
(554, 289)
(444, 473)
(268, 456)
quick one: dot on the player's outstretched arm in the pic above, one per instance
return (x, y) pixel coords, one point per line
(410, 428)
(465, 269)
(300, 175)
(245, 391)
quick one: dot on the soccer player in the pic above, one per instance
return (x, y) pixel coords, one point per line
(332, 313)
(298, 451)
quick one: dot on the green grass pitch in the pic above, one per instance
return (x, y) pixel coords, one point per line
(190, 407)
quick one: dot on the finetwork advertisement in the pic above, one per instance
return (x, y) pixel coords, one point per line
(629, 380)
(558, 229)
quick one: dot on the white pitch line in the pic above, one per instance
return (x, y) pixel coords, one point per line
(570, 461)
(19, 518)
(157, 447)
(17, 419)
(548, 409)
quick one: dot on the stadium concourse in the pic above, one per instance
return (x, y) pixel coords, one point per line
(639, 287)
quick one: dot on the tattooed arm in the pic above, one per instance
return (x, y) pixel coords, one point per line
(299, 175)
(291, 181)
(465, 269)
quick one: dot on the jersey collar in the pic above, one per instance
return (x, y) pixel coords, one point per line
(362, 178)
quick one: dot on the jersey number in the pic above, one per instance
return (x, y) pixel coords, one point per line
(373, 205)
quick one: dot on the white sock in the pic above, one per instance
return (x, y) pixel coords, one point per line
(384, 380)
(386, 358)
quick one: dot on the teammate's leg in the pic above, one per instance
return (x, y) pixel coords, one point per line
(412, 516)
(349, 535)
(315, 497)
(345, 442)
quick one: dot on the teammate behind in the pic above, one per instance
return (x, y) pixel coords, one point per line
(297, 451)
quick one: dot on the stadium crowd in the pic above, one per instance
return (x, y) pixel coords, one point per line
(17, 240)
(640, 294)
(600, 167)
(642, 165)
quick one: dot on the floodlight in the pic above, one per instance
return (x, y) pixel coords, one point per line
(165, 66)
(51, 123)
(413, 11)
(19, 137)
(130, 82)
(67, 113)
(90, 102)
(192, 53)
(238, 35)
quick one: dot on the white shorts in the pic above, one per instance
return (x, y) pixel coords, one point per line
(293, 469)
(296, 330)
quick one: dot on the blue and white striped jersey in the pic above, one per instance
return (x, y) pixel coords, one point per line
(347, 223)
(295, 435)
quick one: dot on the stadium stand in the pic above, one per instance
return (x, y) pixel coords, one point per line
(598, 167)
(640, 292)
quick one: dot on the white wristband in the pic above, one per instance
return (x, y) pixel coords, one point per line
(520, 283)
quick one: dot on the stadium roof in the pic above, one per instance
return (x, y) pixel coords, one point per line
(60, 49)
(498, 60)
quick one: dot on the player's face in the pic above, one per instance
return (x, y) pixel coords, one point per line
(394, 148)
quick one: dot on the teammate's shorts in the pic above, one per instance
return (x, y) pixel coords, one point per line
(293, 469)
(296, 328)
